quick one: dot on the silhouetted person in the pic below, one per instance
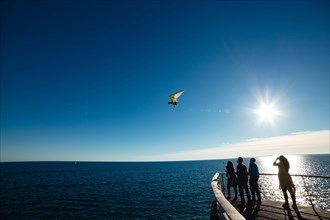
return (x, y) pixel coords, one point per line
(254, 176)
(231, 179)
(242, 180)
(285, 179)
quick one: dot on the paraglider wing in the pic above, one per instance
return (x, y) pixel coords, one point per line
(176, 95)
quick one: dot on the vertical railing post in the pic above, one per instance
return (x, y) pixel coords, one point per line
(222, 182)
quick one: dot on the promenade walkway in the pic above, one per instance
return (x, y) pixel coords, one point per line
(274, 210)
(231, 209)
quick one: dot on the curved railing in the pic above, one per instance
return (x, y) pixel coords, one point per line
(225, 210)
(311, 190)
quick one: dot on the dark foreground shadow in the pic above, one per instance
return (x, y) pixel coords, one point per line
(289, 213)
(298, 214)
(214, 215)
(251, 212)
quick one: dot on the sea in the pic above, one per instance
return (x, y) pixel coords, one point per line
(140, 190)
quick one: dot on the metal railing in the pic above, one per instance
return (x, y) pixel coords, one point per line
(311, 190)
(224, 210)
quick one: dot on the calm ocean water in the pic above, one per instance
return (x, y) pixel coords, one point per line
(133, 190)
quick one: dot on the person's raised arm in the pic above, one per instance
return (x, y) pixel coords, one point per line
(275, 162)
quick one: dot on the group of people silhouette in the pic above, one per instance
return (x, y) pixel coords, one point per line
(240, 179)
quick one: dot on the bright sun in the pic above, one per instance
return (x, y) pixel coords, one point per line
(266, 112)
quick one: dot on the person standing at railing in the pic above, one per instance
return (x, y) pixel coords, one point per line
(242, 180)
(231, 179)
(254, 177)
(285, 179)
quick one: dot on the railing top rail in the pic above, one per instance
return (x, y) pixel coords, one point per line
(230, 211)
(299, 175)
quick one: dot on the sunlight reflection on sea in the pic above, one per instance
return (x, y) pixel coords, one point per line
(308, 189)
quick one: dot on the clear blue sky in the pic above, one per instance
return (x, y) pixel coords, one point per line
(89, 80)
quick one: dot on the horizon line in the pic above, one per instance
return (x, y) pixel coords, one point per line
(148, 161)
